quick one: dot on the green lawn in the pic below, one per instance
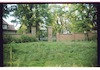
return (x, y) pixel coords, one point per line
(64, 54)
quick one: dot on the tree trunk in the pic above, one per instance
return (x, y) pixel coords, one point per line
(37, 31)
(29, 28)
(37, 24)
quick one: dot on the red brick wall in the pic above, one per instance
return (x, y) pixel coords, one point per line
(49, 33)
(74, 36)
(79, 36)
(63, 37)
(17, 35)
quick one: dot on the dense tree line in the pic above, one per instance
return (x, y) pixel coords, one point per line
(71, 17)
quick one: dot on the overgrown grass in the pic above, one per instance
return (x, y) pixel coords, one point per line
(64, 54)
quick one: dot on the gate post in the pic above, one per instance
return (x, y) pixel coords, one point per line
(33, 31)
(49, 33)
(57, 36)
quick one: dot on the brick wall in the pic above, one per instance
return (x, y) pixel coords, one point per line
(74, 36)
(18, 35)
(63, 37)
(49, 33)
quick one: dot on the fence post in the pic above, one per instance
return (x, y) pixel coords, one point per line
(74, 36)
(49, 33)
(10, 55)
(57, 36)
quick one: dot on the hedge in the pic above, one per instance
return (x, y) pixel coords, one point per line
(22, 39)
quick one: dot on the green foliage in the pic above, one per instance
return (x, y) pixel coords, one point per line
(8, 39)
(71, 17)
(94, 38)
(26, 38)
(82, 17)
(22, 29)
(18, 40)
(31, 15)
(64, 54)
(22, 39)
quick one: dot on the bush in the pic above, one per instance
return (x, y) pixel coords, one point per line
(7, 39)
(26, 38)
(33, 38)
(17, 40)
(22, 39)
(94, 38)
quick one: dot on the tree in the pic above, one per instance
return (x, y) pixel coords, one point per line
(60, 19)
(22, 29)
(72, 17)
(31, 15)
(82, 17)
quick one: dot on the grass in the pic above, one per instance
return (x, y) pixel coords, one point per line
(51, 54)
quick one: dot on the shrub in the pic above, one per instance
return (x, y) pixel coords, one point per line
(7, 39)
(26, 38)
(17, 40)
(34, 39)
(21, 39)
(94, 38)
